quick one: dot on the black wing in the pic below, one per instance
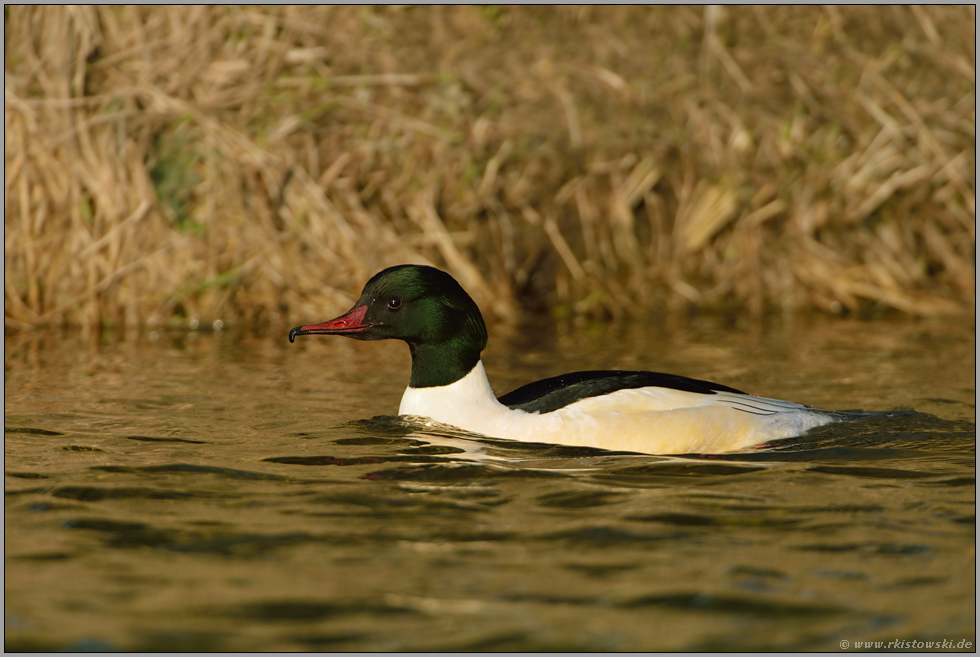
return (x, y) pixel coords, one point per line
(557, 392)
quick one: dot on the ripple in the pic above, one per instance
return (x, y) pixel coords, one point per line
(694, 520)
(26, 475)
(33, 431)
(120, 534)
(96, 494)
(183, 468)
(742, 606)
(579, 499)
(310, 610)
(873, 473)
(685, 469)
(166, 440)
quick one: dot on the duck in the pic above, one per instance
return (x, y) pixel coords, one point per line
(633, 411)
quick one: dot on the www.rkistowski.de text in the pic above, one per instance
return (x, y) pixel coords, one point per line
(946, 644)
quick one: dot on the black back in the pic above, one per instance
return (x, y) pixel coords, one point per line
(557, 392)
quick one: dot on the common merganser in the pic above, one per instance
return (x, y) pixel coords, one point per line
(611, 409)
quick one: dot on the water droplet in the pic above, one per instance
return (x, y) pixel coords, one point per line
(194, 324)
(218, 325)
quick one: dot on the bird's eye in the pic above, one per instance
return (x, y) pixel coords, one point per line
(394, 303)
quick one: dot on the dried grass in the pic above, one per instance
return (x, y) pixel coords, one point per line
(171, 163)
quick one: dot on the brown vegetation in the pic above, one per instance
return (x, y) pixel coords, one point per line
(171, 163)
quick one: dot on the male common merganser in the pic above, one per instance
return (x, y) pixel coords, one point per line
(611, 409)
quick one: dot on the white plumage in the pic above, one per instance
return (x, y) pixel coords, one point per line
(652, 420)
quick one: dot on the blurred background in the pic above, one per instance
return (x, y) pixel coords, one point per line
(182, 165)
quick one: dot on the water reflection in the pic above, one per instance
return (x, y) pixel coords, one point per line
(224, 493)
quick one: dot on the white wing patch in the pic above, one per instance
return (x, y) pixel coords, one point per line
(756, 405)
(669, 399)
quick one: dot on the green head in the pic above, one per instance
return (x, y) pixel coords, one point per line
(426, 308)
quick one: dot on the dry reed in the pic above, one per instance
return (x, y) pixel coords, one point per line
(172, 163)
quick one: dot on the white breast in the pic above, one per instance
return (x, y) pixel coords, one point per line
(651, 420)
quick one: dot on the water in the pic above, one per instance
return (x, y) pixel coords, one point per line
(222, 492)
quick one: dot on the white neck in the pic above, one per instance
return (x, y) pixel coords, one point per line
(468, 403)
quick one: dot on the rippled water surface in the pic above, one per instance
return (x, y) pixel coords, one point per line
(214, 492)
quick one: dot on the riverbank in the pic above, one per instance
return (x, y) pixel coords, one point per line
(166, 165)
